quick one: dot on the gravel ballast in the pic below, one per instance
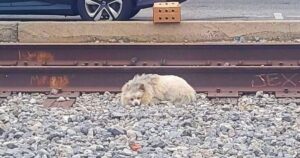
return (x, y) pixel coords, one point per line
(98, 126)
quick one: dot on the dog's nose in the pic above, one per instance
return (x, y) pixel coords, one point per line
(136, 104)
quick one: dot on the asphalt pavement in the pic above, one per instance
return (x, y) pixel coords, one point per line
(211, 10)
(236, 9)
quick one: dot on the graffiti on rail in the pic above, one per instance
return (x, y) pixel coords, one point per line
(276, 80)
(38, 56)
(56, 82)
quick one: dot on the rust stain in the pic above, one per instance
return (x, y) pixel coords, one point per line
(38, 56)
(59, 81)
(38, 80)
(56, 82)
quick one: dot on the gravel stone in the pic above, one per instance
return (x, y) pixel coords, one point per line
(117, 115)
(2, 128)
(11, 145)
(226, 107)
(258, 125)
(132, 135)
(71, 132)
(235, 117)
(87, 152)
(32, 101)
(127, 152)
(61, 99)
(2, 111)
(4, 118)
(227, 129)
(54, 91)
(43, 153)
(259, 94)
(157, 142)
(84, 130)
(116, 131)
(297, 110)
(54, 135)
(297, 137)
(287, 118)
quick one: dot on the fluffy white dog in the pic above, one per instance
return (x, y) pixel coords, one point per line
(152, 88)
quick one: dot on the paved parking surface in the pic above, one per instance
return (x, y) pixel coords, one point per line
(236, 9)
(213, 10)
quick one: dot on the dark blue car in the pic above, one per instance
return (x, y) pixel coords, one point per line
(87, 9)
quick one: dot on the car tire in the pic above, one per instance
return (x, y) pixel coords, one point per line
(96, 10)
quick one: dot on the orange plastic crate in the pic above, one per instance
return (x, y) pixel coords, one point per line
(167, 12)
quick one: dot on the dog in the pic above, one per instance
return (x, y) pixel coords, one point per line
(151, 89)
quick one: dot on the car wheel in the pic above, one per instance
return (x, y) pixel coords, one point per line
(105, 9)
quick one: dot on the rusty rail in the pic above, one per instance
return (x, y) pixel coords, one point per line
(149, 55)
(219, 70)
(216, 81)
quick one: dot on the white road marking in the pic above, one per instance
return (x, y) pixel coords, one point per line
(295, 16)
(278, 16)
(256, 16)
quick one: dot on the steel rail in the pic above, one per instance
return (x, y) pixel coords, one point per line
(149, 54)
(217, 81)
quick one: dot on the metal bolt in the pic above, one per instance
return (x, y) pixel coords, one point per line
(134, 60)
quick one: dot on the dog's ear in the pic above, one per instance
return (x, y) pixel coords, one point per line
(136, 76)
(142, 87)
(125, 87)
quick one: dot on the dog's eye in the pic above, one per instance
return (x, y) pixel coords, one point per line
(138, 97)
(131, 99)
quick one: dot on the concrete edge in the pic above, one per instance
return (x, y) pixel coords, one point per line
(8, 32)
(147, 32)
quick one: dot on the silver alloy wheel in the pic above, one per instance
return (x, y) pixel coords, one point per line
(103, 9)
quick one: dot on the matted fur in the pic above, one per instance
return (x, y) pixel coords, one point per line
(151, 88)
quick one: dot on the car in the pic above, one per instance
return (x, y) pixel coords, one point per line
(91, 10)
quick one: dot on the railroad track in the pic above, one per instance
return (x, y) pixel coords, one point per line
(218, 70)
